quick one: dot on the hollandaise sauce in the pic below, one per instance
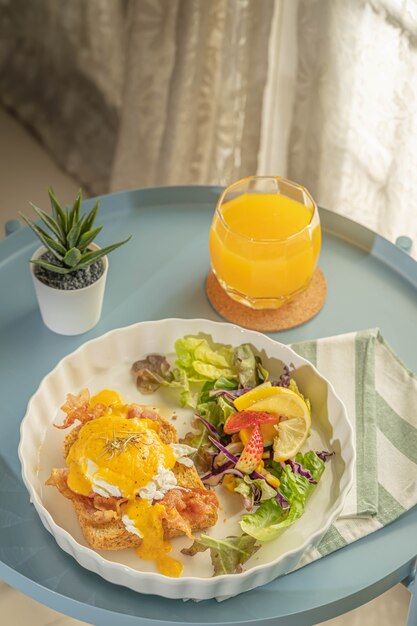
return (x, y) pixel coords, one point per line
(120, 452)
(147, 519)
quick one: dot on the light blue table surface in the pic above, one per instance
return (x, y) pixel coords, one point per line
(159, 274)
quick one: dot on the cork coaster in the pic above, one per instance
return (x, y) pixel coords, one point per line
(295, 312)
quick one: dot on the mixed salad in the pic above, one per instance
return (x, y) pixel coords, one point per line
(248, 432)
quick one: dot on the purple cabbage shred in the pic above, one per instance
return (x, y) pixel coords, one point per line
(256, 474)
(324, 455)
(223, 449)
(297, 468)
(210, 427)
(215, 477)
(281, 500)
(229, 393)
(284, 379)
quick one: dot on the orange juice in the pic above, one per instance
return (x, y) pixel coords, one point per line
(264, 247)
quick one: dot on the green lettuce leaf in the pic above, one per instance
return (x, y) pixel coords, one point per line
(202, 360)
(225, 383)
(215, 412)
(199, 361)
(227, 555)
(243, 486)
(262, 373)
(294, 387)
(310, 461)
(225, 411)
(221, 383)
(198, 439)
(270, 518)
(267, 491)
(215, 409)
(267, 522)
(249, 367)
(188, 396)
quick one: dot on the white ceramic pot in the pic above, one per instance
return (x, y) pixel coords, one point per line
(71, 312)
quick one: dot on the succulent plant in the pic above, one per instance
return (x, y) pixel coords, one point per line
(72, 233)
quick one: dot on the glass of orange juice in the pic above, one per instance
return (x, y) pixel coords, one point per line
(265, 240)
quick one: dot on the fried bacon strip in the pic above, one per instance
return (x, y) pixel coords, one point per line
(176, 522)
(193, 505)
(96, 509)
(138, 411)
(184, 507)
(78, 408)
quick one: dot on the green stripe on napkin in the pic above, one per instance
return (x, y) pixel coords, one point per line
(396, 429)
(389, 508)
(380, 395)
(366, 473)
(332, 541)
(307, 350)
(348, 362)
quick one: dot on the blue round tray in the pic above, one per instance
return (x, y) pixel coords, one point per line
(161, 273)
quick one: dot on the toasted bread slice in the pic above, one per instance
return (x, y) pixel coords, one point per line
(113, 535)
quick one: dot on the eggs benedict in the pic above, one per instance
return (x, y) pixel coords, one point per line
(131, 483)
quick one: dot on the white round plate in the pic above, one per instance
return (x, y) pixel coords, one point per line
(105, 363)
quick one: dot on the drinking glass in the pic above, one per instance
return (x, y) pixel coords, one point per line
(265, 240)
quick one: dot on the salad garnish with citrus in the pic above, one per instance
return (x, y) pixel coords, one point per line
(248, 435)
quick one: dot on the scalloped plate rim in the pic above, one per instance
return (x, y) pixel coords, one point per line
(210, 584)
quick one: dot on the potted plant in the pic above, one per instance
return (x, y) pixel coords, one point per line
(69, 270)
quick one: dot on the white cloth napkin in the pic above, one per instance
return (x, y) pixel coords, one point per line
(380, 395)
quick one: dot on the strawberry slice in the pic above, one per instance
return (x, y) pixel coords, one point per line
(252, 453)
(248, 419)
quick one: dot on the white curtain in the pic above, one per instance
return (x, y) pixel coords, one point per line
(192, 112)
(353, 141)
(61, 73)
(129, 93)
